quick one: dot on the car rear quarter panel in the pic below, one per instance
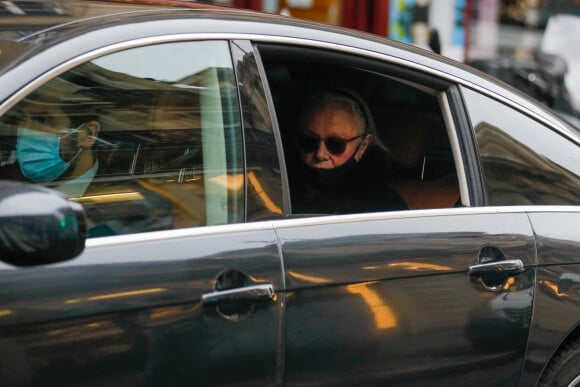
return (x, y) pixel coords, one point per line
(556, 315)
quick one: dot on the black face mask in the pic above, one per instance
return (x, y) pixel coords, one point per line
(333, 177)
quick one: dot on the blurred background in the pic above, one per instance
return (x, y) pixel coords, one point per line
(533, 45)
(467, 29)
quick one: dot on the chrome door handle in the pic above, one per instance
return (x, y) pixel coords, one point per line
(507, 267)
(247, 294)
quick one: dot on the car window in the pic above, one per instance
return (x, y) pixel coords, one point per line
(145, 139)
(524, 162)
(265, 197)
(410, 161)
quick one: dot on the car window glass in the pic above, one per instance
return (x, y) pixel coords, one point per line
(265, 197)
(523, 161)
(145, 139)
(408, 164)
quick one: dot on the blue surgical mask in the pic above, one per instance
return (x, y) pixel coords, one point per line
(38, 154)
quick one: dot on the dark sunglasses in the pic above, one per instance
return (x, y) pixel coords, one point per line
(335, 145)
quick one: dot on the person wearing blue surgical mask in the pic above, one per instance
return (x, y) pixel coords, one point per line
(56, 149)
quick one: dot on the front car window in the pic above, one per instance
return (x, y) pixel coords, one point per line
(523, 161)
(145, 139)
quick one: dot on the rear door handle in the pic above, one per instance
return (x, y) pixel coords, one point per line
(246, 294)
(507, 267)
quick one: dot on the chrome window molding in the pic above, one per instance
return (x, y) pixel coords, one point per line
(179, 233)
(273, 39)
(318, 221)
(413, 214)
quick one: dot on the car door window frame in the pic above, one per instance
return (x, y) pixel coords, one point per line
(265, 197)
(469, 151)
(462, 146)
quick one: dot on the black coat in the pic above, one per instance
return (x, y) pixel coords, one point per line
(364, 189)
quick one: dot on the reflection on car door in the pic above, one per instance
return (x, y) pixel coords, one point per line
(387, 299)
(128, 312)
(172, 288)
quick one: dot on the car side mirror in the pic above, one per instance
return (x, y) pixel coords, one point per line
(38, 226)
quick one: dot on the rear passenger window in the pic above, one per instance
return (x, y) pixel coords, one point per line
(145, 139)
(523, 161)
(408, 163)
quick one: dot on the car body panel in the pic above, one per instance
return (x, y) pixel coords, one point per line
(557, 301)
(137, 306)
(364, 300)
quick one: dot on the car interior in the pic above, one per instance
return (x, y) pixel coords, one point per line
(405, 109)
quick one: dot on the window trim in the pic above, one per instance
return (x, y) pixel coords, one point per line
(469, 151)
(286, 199)
(246, 60)
(459, 155)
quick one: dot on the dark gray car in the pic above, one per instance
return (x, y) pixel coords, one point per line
(165, 250)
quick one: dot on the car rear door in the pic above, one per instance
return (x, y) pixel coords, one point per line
(173, 287)
(387, 299)
(438, 295)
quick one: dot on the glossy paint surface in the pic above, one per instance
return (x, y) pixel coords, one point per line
(134, 308)
(557, 301)
(389, 301)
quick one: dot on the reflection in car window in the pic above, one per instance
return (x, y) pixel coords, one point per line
(523, 161)
(145, 139)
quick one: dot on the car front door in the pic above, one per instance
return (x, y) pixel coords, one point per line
(151, 311)
(173, 288)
